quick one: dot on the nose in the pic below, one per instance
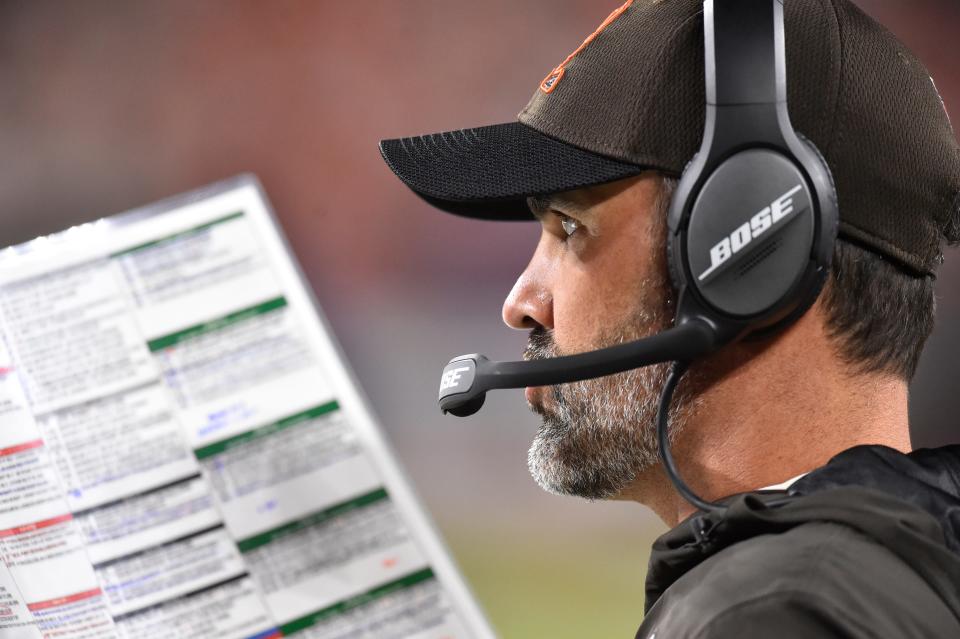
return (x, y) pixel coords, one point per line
(530, 303)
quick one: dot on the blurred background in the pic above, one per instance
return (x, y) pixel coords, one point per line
(108, 105)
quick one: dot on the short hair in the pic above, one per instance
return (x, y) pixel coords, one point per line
(878, 314)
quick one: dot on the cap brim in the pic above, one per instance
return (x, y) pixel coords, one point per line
(489, 172)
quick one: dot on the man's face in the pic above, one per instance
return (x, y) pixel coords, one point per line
(598, 277)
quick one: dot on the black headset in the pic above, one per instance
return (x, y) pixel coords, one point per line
(752, 226)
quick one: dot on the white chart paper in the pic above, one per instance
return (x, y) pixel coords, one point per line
(183, 452)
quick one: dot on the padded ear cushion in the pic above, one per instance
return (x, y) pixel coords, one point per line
(823, 161)
(673, 262)
(834, 201)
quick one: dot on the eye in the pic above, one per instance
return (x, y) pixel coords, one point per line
(569, 224)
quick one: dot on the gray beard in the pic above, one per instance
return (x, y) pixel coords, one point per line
(598, 435)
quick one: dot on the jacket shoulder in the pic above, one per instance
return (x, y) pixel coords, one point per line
(818, 579)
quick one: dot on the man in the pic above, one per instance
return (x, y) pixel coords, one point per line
(865, 540)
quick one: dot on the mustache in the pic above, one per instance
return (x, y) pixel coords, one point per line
(540, 345)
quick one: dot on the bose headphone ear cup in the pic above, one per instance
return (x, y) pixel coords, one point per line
(749, 234)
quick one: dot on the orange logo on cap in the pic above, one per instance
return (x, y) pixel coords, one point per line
(553, 78)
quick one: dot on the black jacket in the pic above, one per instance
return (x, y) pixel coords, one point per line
(866, 546)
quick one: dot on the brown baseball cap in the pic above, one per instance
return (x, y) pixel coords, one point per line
(631, 99)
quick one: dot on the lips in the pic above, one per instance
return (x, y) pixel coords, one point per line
(535, 395)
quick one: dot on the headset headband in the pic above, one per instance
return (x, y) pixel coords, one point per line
(743, 64)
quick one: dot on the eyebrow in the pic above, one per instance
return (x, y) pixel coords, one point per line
(540, 205)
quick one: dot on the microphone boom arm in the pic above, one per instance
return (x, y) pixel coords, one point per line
(467, 378)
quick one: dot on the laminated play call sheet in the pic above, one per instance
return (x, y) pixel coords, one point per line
(183, 453)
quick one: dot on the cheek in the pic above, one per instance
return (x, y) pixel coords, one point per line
(593, 296)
